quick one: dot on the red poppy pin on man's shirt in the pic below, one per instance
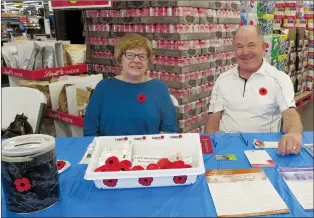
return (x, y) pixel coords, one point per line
(62, 165)
(263, 91)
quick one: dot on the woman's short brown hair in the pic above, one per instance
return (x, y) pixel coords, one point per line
(132, 41)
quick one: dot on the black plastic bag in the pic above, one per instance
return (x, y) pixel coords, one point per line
(18, 127)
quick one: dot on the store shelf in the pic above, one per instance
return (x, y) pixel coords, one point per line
(208, 20)
(160, 36)
(192, 127)
(176, 53)
(147, 20)
(196, 97)
(184, 36)
(102, 47)
(189, 114)
(184, 85)
(45, 73)
(169, 20)
(66, 118)
(184, 69)
(214, 50)
(172, 3)
(96, 34)
(102, 61)
(121, 34)
(227, 20)
(303, 98)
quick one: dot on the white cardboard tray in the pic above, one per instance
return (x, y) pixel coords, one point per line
(164, 145)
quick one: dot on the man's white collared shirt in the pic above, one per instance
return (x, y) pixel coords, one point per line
(252, 105)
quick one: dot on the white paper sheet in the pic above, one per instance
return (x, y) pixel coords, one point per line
(300, 181)
(246, 193)
(259, 158)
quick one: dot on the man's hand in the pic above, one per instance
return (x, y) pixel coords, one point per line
(290, 143)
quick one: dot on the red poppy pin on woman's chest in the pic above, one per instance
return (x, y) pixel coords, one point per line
(141, 98)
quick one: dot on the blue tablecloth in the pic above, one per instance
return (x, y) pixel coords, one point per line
(82, 198)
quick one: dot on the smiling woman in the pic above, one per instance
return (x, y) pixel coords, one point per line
(134, 55)
(131, 103)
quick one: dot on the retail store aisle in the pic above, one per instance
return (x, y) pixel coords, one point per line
(306, 113)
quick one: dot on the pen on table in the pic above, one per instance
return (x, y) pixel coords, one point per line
(246, 142)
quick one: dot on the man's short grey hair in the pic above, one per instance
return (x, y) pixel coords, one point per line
(258, 30)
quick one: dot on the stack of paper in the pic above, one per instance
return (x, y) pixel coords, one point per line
(243, 192)
(300, 182)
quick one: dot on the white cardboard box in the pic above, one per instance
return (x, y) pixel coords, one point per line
(163, 145)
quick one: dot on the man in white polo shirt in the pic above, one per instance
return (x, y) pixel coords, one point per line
(255, 96)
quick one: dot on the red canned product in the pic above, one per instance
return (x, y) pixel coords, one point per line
(187, 107)
(179, 28)
(178, 77)
(138, 12)
(202, 12)
(176, 11)
(150, 74)
(166, 44)
(112, 13)
(98, 27)
(141, 28)
(156, 11)
(202, 43)
(158, 28)
(162, 76)
(201, 28)
(181, 93)
(153, 28)
(171, 45)
(188, 28)
(165, 28)
(146, 12)
(111, 55)
(102, 27)
(166, 60)
(102, 13)
(180, 62)
(117, 13)
(159, 44)
(163, 12)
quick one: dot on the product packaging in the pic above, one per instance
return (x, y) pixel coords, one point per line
(75, 53)
(42, 86)
(83, 97)
(62, 100)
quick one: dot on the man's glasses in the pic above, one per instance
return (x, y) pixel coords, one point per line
(132, 56)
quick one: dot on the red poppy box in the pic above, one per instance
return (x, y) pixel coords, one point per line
(142, 161)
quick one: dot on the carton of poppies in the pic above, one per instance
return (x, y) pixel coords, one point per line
(142, 161)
